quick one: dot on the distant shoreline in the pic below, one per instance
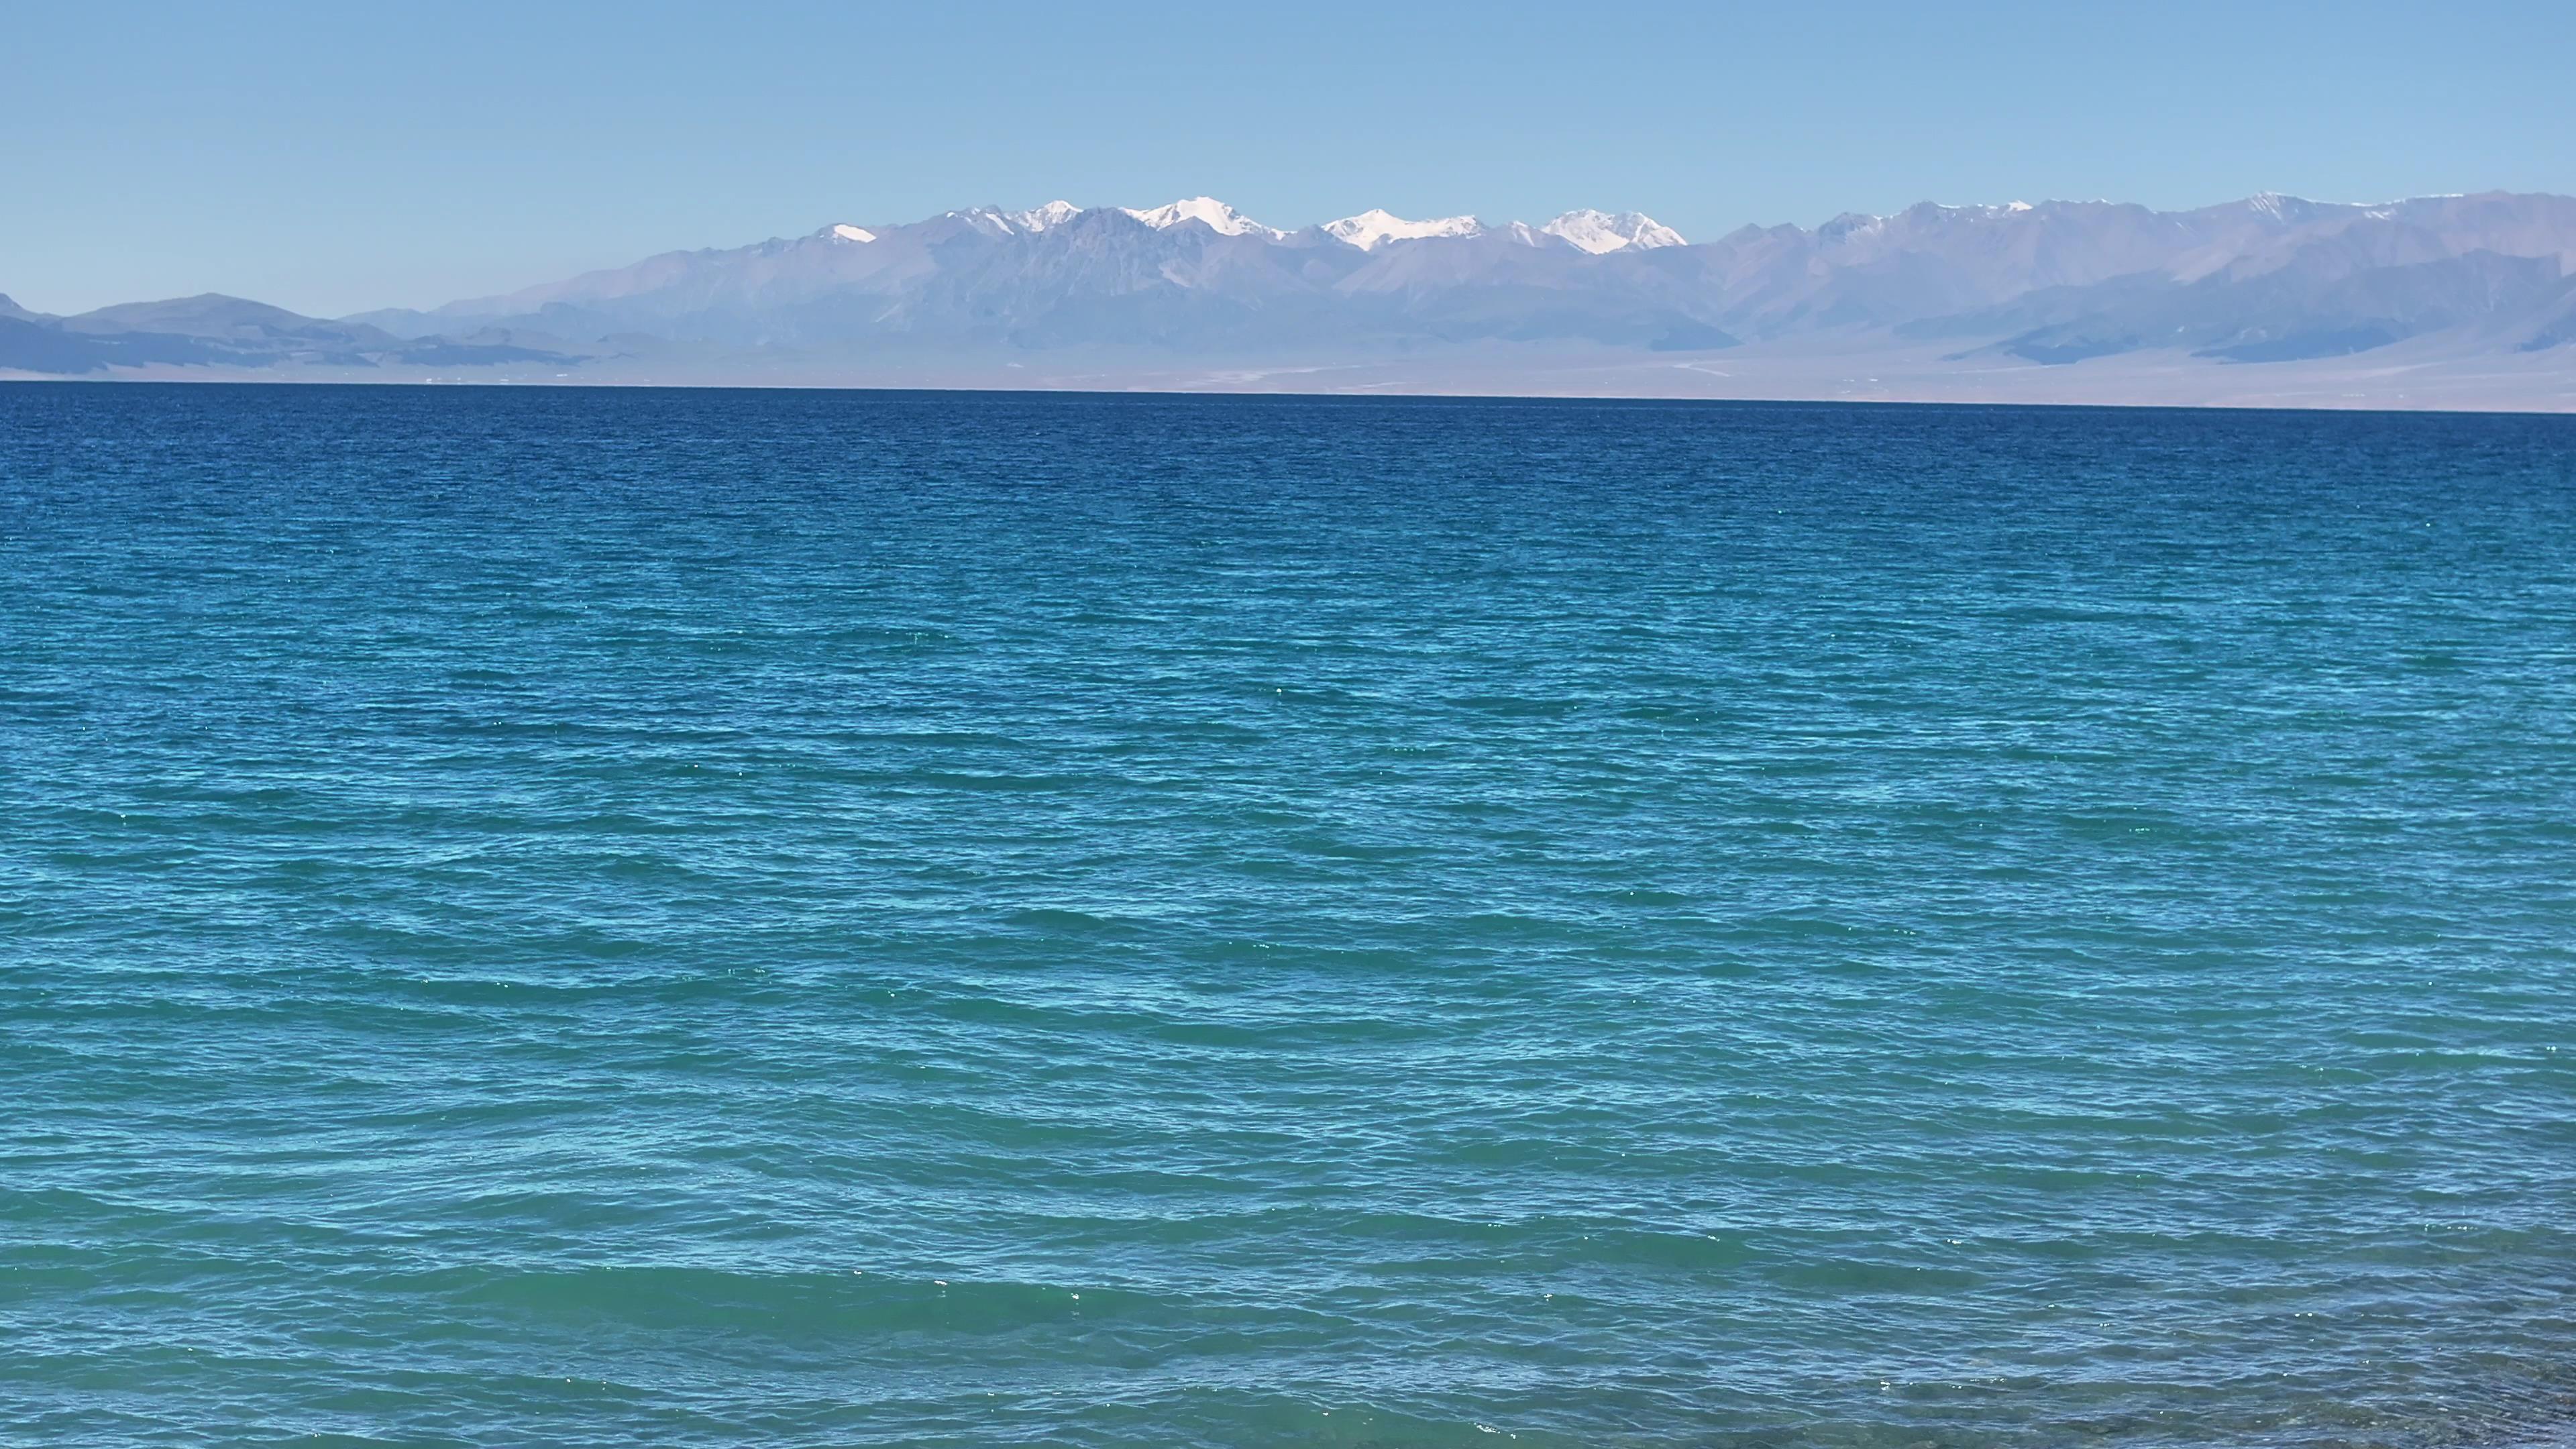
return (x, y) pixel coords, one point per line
(2439, 386)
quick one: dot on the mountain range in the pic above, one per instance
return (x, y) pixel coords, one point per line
(2465, 299)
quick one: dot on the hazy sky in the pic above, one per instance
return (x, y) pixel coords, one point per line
(340, 157)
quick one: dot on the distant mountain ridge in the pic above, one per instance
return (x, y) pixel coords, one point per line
(216, 331)
(2268, 279)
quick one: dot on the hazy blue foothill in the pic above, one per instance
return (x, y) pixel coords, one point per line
(2468, 288)
(712, 918)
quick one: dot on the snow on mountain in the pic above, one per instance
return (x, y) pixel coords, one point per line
(992, 221)
(984, 219)
(1224, 219)
(1371, 227)
(1603, 231)
(1039, 218)
(2262, 279)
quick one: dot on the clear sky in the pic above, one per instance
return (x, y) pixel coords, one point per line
(332, 158)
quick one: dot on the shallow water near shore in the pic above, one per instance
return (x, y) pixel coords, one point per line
(727, 918)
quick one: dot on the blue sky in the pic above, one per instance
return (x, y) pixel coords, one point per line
(334, 158)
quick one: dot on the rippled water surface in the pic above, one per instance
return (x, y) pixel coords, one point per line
(697, 918)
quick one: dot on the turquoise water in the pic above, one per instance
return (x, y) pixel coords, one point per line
(694, 918)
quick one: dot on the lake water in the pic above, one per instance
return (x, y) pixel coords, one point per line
(737, 918)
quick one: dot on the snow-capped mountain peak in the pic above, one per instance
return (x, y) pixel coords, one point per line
(993, 221)
(1605, 231)
(1218, 216)
(848, 233)
(986, 220)
(1039, 218)
(1371, 227)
